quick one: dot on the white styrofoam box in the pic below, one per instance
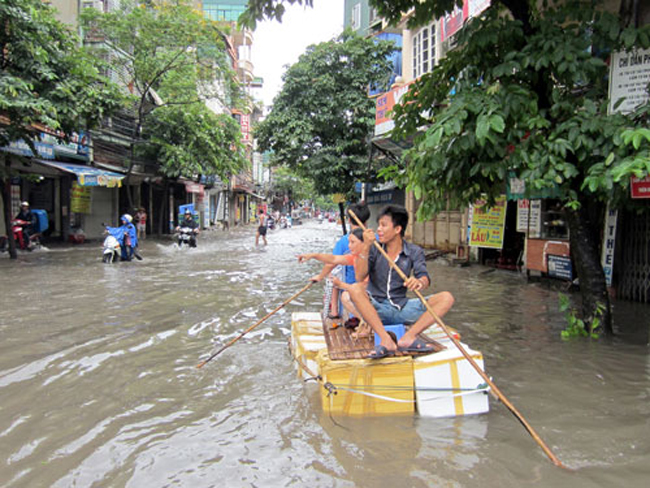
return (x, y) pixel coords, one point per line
(443, 383)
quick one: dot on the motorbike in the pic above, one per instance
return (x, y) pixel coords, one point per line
(112, 249)
(270, 223)
(22, 242)
(186, 236)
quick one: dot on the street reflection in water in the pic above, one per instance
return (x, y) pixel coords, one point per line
(99, 386)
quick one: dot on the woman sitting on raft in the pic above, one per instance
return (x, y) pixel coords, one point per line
(356, 240)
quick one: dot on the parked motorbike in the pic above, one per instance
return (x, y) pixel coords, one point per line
(187, 237)
(112, 249)
(270, 223)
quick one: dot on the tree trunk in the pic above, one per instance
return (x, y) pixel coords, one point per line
(584, 229)
(6, 201)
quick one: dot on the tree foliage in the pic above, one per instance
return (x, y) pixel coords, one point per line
(172, 49)
(46, 79)
(286, 181)
(322, 119)
(533, 105)
(46, 82)
(168, 47)
(192, 140)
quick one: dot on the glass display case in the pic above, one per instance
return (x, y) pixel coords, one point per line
(554, 224)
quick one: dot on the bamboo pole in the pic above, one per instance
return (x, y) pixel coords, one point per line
(214, 355)
(494, 390)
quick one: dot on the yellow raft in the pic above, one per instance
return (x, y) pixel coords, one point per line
(442, 384)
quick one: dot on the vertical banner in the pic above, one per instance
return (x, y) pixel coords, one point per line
(488, 224)
(80, 198)
(609, 241)
(529, 217)
(245, 127)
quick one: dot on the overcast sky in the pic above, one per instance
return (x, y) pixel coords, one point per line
(276, 45)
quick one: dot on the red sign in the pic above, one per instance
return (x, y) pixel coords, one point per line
(453, 22)
(245, 127)
(640, 187)
(383, 106)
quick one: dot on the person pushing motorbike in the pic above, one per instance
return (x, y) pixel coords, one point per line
(127, 236)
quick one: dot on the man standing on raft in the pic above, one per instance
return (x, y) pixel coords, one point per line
(385, 301)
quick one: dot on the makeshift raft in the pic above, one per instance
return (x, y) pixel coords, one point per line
(441, 384)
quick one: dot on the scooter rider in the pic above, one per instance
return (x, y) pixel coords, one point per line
(27, 215)
(188, 221)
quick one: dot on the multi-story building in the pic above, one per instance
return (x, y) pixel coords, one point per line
(422, 48)
(236, 203)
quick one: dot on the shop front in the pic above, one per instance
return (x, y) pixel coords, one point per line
(540, 217)
(76, 197)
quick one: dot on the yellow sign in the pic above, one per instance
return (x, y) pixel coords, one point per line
(80, 198)
(338, 197)
(488, 224)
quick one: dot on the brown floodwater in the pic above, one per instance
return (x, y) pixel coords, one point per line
(99, 386)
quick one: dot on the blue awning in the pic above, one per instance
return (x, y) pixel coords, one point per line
(87, 175)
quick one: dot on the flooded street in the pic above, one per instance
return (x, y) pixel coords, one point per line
(99, 386)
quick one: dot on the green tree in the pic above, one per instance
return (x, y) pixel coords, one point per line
(169, 48)
(192, 140)
(524, 92)
(285, 181)
(46, 80)
(322, 119)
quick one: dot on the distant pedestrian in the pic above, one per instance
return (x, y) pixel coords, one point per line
(141, 218)
(261, 229)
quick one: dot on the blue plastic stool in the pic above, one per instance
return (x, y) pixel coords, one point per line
(397, 329)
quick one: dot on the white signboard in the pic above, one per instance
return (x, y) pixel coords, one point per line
(630, 75)
(529, 209)
(609, 240)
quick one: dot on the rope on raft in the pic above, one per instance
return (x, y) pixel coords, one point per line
(332, 389)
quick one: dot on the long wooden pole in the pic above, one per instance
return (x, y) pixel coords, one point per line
(495, 391)
(212, 356)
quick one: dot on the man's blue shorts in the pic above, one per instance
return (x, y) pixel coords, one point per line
(389, 314)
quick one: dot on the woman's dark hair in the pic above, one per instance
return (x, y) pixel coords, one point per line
(361, 210)
(358, 233)
(397, 214)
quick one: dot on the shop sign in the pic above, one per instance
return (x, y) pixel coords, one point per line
(609, 241)
(516, 189)
(51, 145)
(194, 188)
(529, 213)
(383, 107)
(488, 224)
(80, 198)
(640, 187)
(451, 23)
(44, 151)
(628, 81)
(245, 127)
(560, 267)
(380, 197)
